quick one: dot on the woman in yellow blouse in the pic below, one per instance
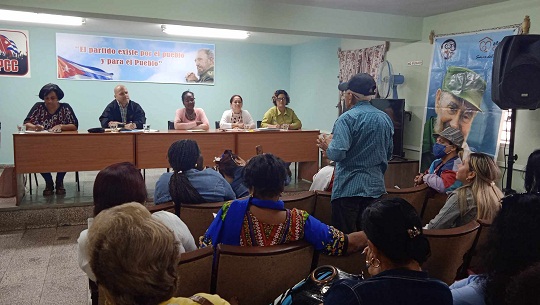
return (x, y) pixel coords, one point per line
(280, 114)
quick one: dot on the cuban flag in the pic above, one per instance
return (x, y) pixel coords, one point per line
(8, 47)
(73, 70)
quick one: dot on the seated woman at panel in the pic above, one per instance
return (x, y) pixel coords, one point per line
(280, 114)
(245, 221)
(53, 116)
(532, 173)
(188, 184)
(135, 259)
(236, 117)
(513, 244)
(394, 255)
(120, 183)
(190, 117)
(231, 167)
(478, 198)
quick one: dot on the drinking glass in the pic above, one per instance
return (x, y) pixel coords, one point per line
(146, 127)
(114, 127)
(21, 128)
(284, 127)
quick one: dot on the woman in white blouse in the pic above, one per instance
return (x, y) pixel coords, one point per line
(236, 117)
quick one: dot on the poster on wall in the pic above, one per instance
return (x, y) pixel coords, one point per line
(459, 93)
(14, 53)
(91, 57)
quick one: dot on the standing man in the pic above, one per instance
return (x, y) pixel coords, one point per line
(205, 67)
(361, 146)
(123, 110)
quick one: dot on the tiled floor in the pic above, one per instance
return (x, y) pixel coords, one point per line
(40, 266)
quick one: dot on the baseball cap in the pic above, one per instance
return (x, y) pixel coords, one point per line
(451, 134)
(361, 83)
(466, 84)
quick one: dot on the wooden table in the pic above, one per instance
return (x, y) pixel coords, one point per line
(69, 151)
(73, 151)
(151, 148)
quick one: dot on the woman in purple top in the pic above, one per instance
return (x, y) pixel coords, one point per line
(53, 116)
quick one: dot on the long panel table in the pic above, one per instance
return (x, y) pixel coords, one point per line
(73, 151)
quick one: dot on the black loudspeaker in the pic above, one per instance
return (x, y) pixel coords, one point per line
(515, 82)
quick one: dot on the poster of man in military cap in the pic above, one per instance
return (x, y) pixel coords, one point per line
(459, 93)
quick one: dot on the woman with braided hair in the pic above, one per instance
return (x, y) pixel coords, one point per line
(478, 198)
(187, 183)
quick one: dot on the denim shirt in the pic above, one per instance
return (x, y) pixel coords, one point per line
(390, 287)
(238, 186)
(209, 183)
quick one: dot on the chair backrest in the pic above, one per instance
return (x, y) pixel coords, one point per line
(448, 247)
(434, 203)
(195, 272)
(167, 206)
(323, 207)
(198, 217)
(472, 258)
(354, 263)
(304, 200)
(216, 124)
(170, 125)
(257, 275)
(416, 196)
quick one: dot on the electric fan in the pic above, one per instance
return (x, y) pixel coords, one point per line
(387, 81)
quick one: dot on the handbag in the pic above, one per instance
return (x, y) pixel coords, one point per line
(312, 289)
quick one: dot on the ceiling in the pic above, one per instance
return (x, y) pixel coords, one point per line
(413, 8)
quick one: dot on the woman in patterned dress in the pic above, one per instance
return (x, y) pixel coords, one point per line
(53, 116)
(236, 117)
(262, 219)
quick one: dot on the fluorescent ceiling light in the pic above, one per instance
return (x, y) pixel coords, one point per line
(40, 18)
(193, 31)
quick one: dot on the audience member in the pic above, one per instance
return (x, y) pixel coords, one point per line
(280, 114)
(361, 146)
(396, 250)
(231, 166)
(441, 175)
(532, 173)
(323, 180)
(120, 183)
(513, 245)
(523, 288)
(122, 110)
(188, 183)
(478, 198)
(236, 117)
(263, 220)
(53, 116)
(135, 259)
(190, 117)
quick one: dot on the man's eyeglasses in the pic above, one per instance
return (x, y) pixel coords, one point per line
(281, 99)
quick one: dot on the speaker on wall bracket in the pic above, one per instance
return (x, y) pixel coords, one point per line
(515, 82)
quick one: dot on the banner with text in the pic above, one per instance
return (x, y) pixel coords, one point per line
(459, 93)
(138, 60)
(14, 53)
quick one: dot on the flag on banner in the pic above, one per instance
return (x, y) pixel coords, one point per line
(70, 69)
(8, 47)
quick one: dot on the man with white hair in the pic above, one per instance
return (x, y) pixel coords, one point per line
(361, 146)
